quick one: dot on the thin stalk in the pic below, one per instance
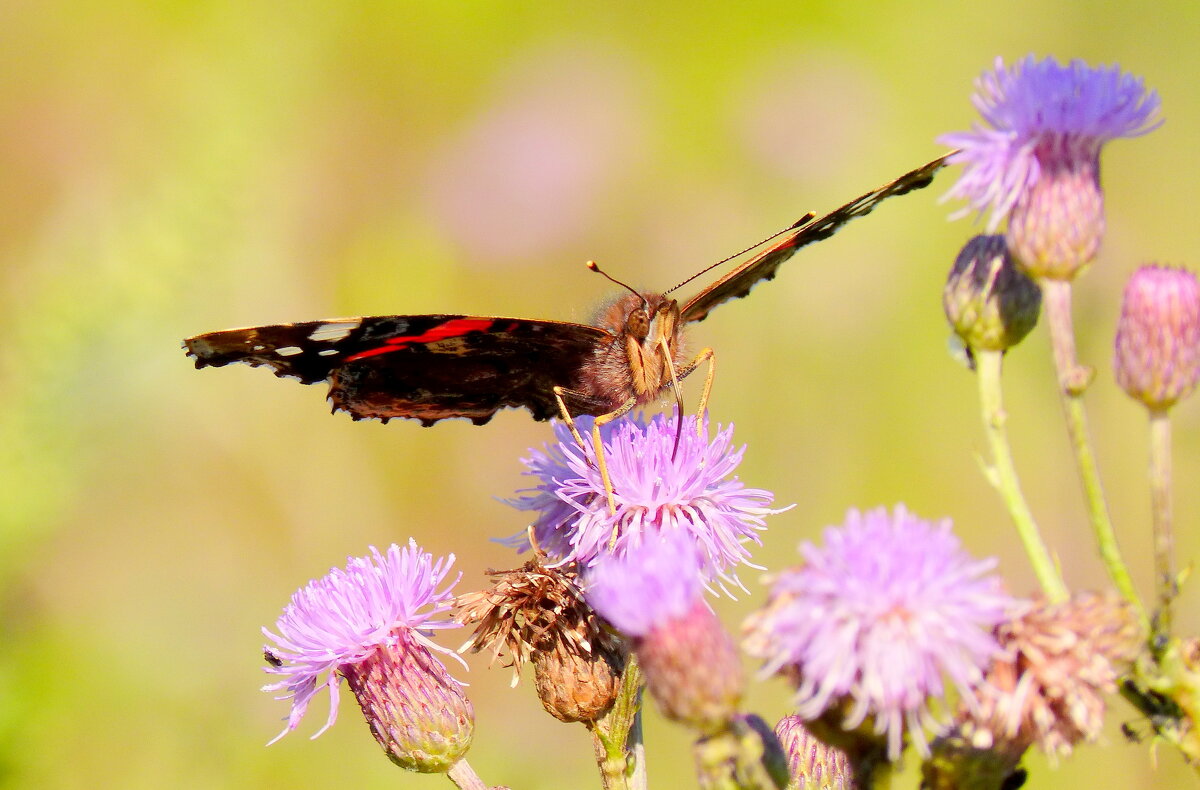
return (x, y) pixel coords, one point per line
(1073, 380)
(464, 777)
(1160, 499)
(617, 736)
(1003, 474)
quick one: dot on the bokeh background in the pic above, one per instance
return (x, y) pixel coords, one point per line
(178, 167)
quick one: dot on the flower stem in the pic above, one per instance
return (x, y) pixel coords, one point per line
(1073, 380)
(1003, 474)
(617, 736)
(1160, 498)
(464, 777)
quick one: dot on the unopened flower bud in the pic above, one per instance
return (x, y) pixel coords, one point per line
(1157, 358)
(989, 302)
(415, 709)
(692, 669)
(812, 763)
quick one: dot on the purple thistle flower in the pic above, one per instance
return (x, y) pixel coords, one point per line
(656, 596)
(378, 610)
(876, 617)
(1035, 103)
(657, 490)
(1039, 162)
(1157, 358)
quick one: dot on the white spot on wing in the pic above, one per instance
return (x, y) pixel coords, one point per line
(289, 351)
(327, 352)
(333, 332)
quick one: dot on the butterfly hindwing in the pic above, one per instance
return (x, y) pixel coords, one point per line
(427, 367)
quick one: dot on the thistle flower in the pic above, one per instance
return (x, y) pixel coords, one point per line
(655, 596)
(1157, 359)
(1048, 685)
(812, 763)
(658, 490)
(370, 624)
(989, 302)
(538, 614)
(1039, 162)
(872, 622)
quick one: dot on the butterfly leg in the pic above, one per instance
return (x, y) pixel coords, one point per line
(705, 355)
(560, 395)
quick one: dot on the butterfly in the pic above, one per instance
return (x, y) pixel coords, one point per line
(438, 366)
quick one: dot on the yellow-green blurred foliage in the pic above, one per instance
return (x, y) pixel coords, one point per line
(176, 167)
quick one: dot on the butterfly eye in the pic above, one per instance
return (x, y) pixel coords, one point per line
(637, 325)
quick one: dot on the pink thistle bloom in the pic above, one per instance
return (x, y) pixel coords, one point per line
(378, 610)
(658, 490)
(876, 618)
(1037, 160)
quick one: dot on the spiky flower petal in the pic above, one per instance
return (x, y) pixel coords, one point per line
(1157, 358)
(370, 623)
(876, 618)
(658, 490)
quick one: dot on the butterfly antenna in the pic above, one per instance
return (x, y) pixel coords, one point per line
(596, 268)
(807, 218)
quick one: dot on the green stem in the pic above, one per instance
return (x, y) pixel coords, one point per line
(1003, 474)
(617, 736)
(1160, 498)
(464, 777)
(1073, 380)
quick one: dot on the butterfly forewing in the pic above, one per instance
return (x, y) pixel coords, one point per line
(427, 367)
(762, 266)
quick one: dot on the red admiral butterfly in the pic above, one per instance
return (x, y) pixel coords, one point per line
(432, 367)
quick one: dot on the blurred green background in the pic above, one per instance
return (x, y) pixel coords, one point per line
(173, 168)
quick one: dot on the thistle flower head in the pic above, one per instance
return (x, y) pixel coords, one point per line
(538, 614)
(812, 763)
(370, 624)
(655, 595)
(658, 489)
(874, 619)
(1048, 684)
(989, 302)
(1157, 359)
(1037, 160)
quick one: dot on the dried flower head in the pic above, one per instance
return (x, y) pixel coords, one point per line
(658, 490)
(872, 621)
(538, 614)
(369, 623)
(990, 303)
(1049, 683)
(655, 596)
(1039, 162)
(1157, 359)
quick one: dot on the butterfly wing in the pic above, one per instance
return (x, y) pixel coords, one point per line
(762, 266)
(426, 367)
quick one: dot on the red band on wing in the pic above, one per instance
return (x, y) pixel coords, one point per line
(454, 328)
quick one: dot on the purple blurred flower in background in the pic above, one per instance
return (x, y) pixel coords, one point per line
(657, 491)
(1157, 358)
(1037, 160)
(877, 617)
(655, 594)
(370, 624)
